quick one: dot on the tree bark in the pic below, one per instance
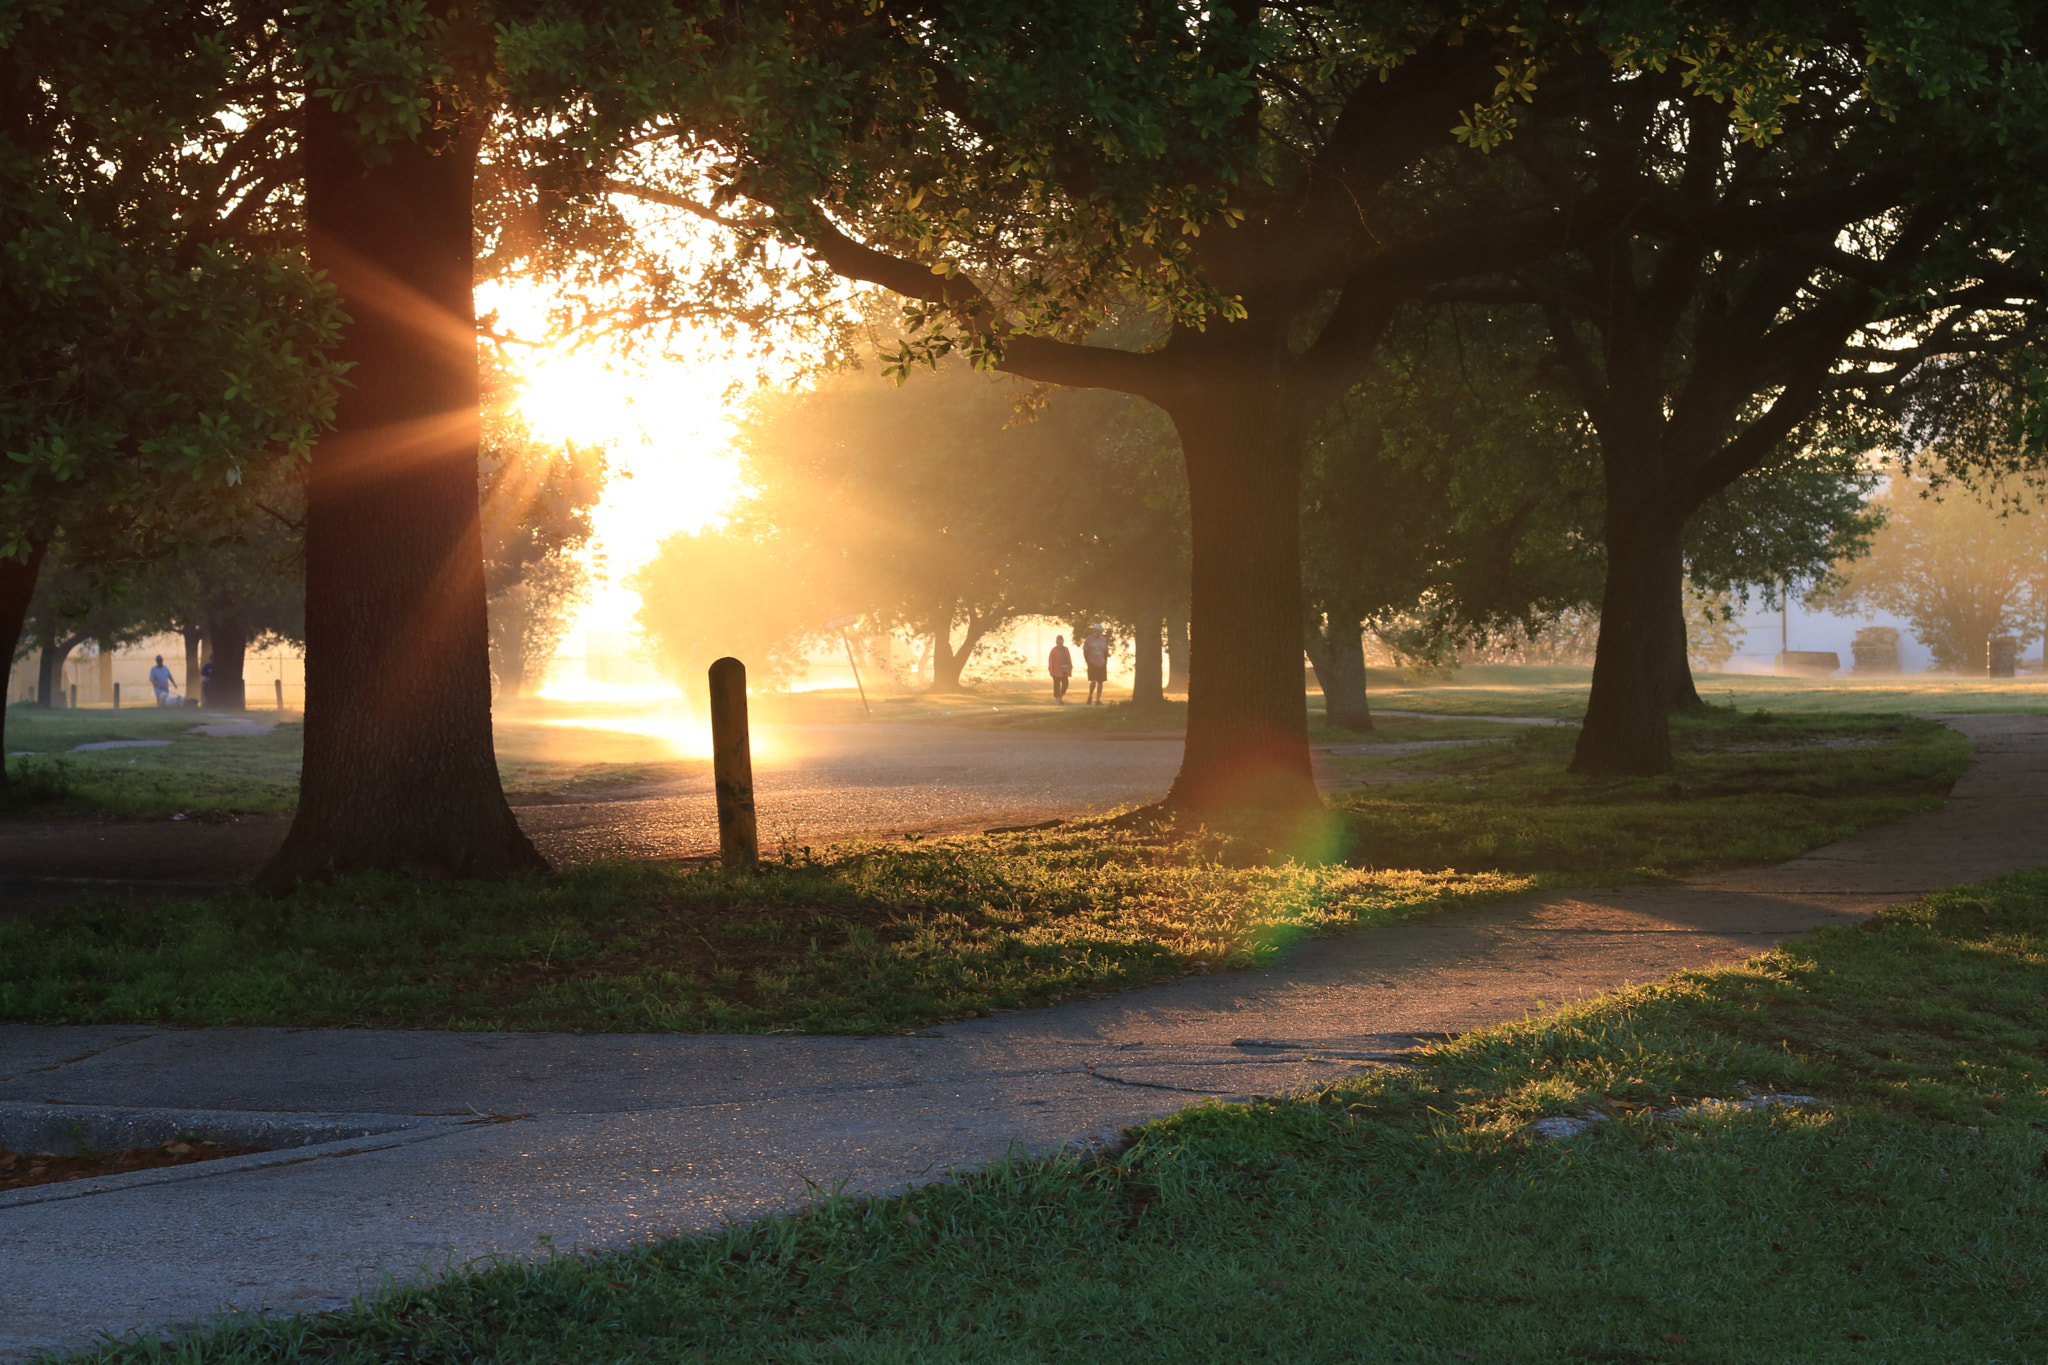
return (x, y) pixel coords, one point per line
(949, 663)
(1628, 717)
(1148, 685)
(192, 635)
(56, 648)
(1177, 649)
(1682, 694)
(17, 589)
(228, 689)
(400, 773)
(1337, 653)
(1247, 735)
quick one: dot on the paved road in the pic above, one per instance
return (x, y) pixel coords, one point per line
(625, 1137)
(828, 782)
(843, 780)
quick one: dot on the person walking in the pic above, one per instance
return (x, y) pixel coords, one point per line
(1095, 653)
(160, 682)
(1060, 664)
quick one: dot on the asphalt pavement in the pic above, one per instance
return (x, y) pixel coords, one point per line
(511, 1145)
(813, 783)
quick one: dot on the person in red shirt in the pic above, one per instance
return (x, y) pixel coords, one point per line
(1059, 663)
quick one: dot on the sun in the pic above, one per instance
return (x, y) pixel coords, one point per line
(666, 422)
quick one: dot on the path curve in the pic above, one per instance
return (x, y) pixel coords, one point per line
(628, 1137)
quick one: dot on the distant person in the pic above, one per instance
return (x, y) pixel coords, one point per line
(1060, 664)
(206, 683)
(1095, 653)
(161, 682)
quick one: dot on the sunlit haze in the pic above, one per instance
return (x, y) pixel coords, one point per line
(666, 426)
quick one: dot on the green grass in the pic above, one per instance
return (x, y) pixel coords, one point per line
(194, 774)
(886, 937)
(1747, 789)
(1560, 692)
(1167, 717)
(1406, 1216)
(860, 939)
(205, 776)
(1034, 716)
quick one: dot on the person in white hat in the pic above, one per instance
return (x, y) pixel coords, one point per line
(1095, 653)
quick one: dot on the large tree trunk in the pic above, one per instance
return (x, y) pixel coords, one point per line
(1247, 736)
(57, 648)
(1337, 653)
(1177, 649)
(193, 689)
(17, 588)
(1681, 693)
(949, 663)
(1628, 716)
(228, 690)
(1148, 682)
(399, 771)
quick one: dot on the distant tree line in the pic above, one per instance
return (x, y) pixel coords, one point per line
(1451, 504)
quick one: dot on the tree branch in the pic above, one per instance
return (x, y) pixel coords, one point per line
(669, 199)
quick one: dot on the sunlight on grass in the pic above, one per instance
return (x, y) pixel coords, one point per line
(863, 938)
(1745, 789)
(1560, 692)
(1406, 1215)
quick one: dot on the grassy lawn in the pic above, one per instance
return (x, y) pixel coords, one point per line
(1553, 692)
(880, 938)
(861, 939)
(1171, 718)
(1560, 692)
(1407, 1215)
(1755, 788)
(179, 771)
(199, 775)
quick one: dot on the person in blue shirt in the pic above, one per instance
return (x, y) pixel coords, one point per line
(160, 679)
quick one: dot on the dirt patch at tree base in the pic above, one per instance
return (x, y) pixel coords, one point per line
(19, 1170)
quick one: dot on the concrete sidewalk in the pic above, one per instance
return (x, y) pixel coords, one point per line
(594, 1141)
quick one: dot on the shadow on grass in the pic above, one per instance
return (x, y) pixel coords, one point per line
(858, 939)
(1407, 1215)
(1745, 790)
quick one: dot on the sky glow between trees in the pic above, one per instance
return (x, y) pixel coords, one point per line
(665, 422)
